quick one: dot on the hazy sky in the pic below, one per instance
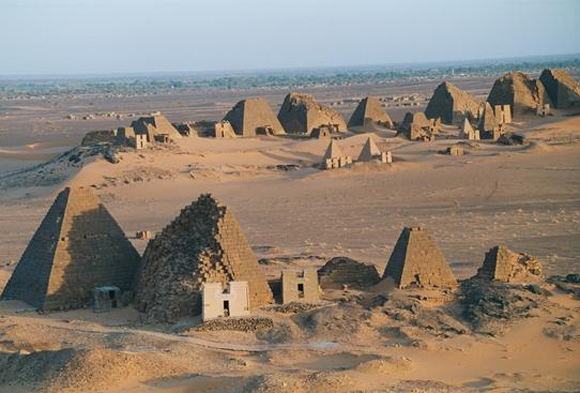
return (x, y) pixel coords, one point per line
(109, 36)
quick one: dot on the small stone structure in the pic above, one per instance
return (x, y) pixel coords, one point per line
(341, 272)
(544, 110)
(77, 247)
(503, 114)
(451, 104)
(141, 141)
(563, 90)
(334, 157)
(454, 151)
(370, 111)
(204, 244)
(233, 302)
(144, 235)
(501, 264)
(223, 129)
(300, 114)
(322, 132)
(106, 298)
(416, 260)
(300, 286)
(254, 116)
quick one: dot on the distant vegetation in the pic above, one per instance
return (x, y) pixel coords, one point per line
(13, 88)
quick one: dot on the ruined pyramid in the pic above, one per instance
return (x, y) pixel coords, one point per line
(332, 151)
(501, 264)
(487, 122)
(369, 151)
(77, 247)
(467, 130)
(451, 104)
(522, 93)
(254, 116)
(563, 90)
(155, 125)
(300, 114)
(203, 244)
(370, 110)
(416, 259)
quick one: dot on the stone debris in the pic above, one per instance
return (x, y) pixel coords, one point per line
(78, 246)
(511, 139)
(254, 116)
(300, 114)
(245, 324)
(501, 264)
(451, 104)
(417, 260)
(203, 244)
(293, 307)
(341, 272)
(368, 112)
(563, 90)
(522, 93)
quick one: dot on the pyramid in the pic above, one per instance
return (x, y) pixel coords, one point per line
(416, 259)
(369, 110)
(204, 244)
(253, 116)
(501, 264)
(451, 104)
(467, 129)
(563, 90)
(300, 114)
(522, 93)
(332, 151)
(369, 151)
(487, 121)
(155, 125)
(415, 125)
(78, 246)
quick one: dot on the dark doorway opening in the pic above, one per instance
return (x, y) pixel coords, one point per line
(226, 308)
(300, 290)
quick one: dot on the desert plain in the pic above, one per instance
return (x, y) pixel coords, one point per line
(294, 215)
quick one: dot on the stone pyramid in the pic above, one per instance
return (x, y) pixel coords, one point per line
(369, 151)
(487, 122)
(155, 125)
(563, 90)
(78, 246)
(466, 129)
(332, 151)
(253, 116)
(522, 93)
(369, 110)
(501, 264)
(300, 114)
(451, 104)
(203, 244)
(416, 259)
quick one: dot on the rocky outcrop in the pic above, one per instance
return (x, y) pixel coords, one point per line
(342, 271)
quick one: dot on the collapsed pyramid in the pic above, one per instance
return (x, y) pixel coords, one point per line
(254, 116)
(563, 90)
(417, 260)
(522, 93)
(369, 110)
(203, 244)
(300, 114)
(501, 264)
(77, 247)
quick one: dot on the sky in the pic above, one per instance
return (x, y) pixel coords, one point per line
(54, 37)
